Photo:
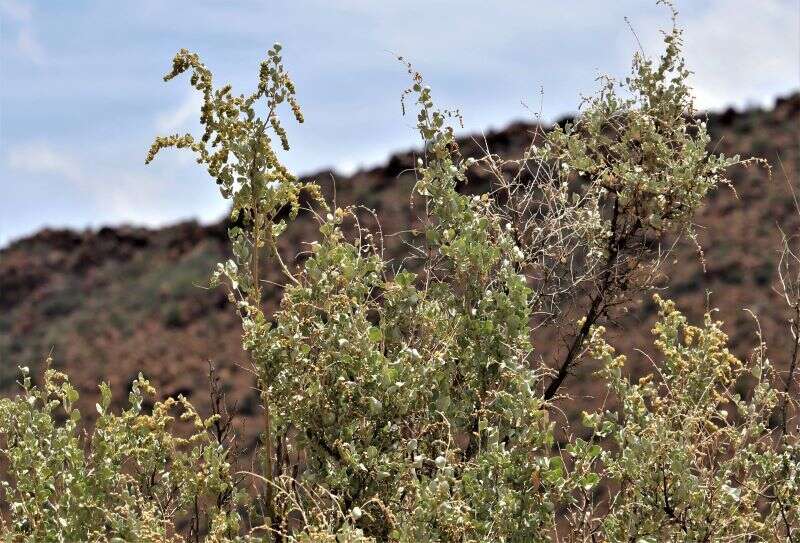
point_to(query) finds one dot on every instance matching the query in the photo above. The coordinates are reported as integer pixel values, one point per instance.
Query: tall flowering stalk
(236, 149)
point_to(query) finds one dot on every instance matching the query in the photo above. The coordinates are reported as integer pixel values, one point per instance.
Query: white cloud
(741, 51)
(17, 11)
(137, 198)
(347, 167)
(116, 195)
(481, 56)
(41, 158)
(171, 121)
(29, 46)
(731, 69)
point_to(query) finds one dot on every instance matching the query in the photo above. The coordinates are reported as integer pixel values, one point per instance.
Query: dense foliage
(402, 399)
(125, 481)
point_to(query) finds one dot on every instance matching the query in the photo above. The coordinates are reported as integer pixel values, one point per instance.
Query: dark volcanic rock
(120, 300)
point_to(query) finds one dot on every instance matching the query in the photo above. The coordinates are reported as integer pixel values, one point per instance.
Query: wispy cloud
(30, 47)
(178, 118)
(27, 44)
(741, 51)
(114, 195)
(16, 11)
(41, 158)
(74, 134)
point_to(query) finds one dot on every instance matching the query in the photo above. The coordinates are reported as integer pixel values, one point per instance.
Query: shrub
(686, 467)
(130, 479)
(404, 402)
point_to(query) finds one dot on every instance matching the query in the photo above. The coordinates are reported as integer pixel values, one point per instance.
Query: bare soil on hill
(111, 303)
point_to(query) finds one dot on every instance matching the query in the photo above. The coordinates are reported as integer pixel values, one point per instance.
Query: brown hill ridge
(116, 301)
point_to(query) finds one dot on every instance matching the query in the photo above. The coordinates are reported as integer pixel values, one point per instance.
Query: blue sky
(81, 95)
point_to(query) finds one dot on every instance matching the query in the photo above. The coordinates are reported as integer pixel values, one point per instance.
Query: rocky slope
(113, 302)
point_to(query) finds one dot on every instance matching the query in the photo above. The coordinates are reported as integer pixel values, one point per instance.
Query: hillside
(116, 301)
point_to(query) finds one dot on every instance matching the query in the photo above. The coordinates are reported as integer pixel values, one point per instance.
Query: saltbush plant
(404, 402)
(129, 479)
